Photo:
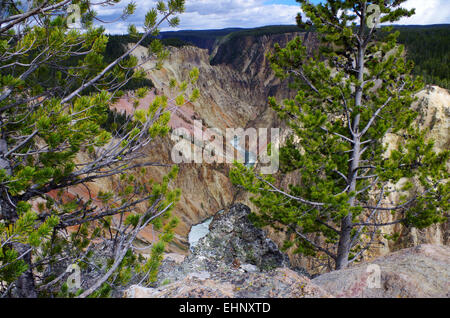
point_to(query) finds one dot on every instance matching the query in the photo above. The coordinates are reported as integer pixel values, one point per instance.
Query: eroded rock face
(233, 244)
(230, 97)
(421, 271)
(433, 107)
(233, 238)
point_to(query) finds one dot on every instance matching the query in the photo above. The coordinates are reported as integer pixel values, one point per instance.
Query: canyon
(235, 82)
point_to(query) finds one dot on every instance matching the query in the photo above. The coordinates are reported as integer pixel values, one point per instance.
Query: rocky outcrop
(232, 245)
(234, 259)
(233, 238)
(417, 272)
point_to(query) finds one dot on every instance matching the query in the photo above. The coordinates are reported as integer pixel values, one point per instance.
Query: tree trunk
(344, 244)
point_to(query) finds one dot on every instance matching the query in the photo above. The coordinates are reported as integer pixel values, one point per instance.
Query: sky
(218, 14)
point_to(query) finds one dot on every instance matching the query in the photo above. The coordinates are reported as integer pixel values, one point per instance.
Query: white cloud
(427, 12)
(209, 14)
(234, 13)
(217, 14)
(205, 7)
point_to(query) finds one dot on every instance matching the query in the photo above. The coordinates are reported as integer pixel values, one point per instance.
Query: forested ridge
(427, 46)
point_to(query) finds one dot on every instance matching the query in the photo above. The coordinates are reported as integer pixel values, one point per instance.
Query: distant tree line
(267, 30)
(117, 43)
(429, 49)
(427, 46)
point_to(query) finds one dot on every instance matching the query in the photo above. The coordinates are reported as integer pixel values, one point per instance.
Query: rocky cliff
(234, 94)
(433, 106)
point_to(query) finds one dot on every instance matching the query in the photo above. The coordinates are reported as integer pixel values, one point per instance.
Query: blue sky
(217, 14)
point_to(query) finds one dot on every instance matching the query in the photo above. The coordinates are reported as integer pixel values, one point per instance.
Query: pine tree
(55, 96)
(350, 95)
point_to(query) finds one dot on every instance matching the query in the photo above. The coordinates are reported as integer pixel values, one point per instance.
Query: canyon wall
(233, 94)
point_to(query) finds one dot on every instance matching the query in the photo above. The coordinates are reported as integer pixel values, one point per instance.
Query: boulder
(232, 244)
(417, 272)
